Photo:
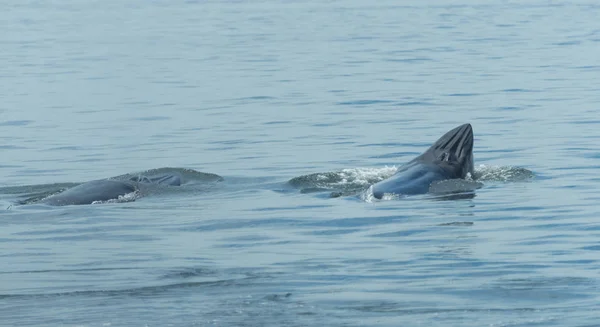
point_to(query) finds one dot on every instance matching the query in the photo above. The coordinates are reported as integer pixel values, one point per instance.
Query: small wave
(63, 271)
(186, 273)
(363, 102)
(458, 223)
(143, 291)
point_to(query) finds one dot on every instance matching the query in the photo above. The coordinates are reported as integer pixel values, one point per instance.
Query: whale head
(453, 152)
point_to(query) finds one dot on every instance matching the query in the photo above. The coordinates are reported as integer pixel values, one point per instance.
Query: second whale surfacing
(107, 189)
(449, 158)
(123, 188)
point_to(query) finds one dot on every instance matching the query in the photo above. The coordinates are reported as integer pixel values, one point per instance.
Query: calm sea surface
(331, 95)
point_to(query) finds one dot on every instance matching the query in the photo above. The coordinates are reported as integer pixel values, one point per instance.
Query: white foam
(502, 173)
(365, 176)
(129, 197)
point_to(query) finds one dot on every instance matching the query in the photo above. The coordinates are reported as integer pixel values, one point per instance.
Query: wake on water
(357, 181)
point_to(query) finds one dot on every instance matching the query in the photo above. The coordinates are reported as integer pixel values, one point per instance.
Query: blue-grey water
(333, 94)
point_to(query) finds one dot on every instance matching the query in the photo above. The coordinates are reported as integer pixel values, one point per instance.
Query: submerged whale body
(450, 157)
(108, 189)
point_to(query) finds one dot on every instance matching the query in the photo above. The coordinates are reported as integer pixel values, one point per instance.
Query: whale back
(90, 192)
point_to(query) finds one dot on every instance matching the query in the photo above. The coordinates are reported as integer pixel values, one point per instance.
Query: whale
(449, 158)
(108, 189)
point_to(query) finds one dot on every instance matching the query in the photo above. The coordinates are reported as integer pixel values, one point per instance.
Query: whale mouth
(458, 141)
(455, 148)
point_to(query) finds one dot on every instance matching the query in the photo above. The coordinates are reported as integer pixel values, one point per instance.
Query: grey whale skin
(107, 189)
(450, 157)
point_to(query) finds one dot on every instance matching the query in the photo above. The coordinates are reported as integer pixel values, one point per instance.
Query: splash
(367, 196)
(485, 173)
(354, 176)
(357, 181)
(129, 197)
(341, 183)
